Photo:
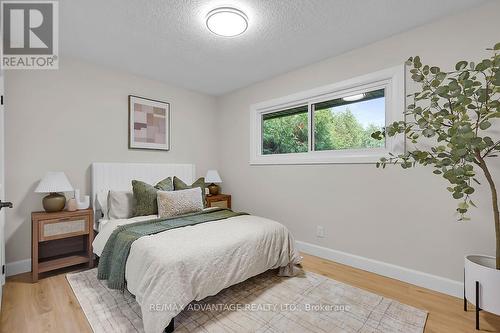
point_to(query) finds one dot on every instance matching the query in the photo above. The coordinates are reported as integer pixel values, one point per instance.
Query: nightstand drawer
(220, 204)
(62, 228)
(219, 200)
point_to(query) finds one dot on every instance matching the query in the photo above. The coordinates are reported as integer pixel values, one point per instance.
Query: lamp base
(54, 202)
(213, 189)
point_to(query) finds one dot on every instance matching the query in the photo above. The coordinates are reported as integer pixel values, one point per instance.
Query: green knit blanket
(115, 253)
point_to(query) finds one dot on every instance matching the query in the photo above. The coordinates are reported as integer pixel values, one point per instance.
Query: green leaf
(416, 62)
(417, 77)
(496, 47)
(377, 135)
(428, 132)
(481, 67)
(469, 190)
(461, 65)
(496, 78)
(442, 91)
(435, 83)
(484, 125)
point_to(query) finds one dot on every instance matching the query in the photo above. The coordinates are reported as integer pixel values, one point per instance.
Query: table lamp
(213, 177)
(53, 183)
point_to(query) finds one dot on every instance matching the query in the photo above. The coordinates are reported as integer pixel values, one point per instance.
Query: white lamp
(213, 177)
(52, 183)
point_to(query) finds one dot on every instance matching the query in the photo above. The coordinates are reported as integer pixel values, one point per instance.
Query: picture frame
(149, 124)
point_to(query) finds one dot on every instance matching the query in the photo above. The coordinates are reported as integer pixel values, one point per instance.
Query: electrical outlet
(320, 231)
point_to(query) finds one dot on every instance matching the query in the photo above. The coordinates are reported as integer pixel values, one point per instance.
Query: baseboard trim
(421, 279)
(18, 267)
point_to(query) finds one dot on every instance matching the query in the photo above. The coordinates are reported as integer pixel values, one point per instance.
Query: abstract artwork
(149, 123)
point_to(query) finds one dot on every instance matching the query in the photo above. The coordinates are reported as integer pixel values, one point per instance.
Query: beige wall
(68, 118)
(403, 218)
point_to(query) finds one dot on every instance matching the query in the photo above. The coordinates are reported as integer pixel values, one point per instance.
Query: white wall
(405, 218)
(68, 118)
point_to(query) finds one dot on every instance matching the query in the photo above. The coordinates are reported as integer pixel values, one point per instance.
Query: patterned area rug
(265, 303)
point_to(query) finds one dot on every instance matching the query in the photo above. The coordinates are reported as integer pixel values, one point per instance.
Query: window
(347, 123)
(285, 132)
(331, 124)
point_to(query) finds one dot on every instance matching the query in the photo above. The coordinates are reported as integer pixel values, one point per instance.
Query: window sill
(323, 157)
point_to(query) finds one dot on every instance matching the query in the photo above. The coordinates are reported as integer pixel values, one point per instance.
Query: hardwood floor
(50, 305)
(445, 312)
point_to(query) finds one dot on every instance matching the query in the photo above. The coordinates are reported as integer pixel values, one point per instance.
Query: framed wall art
(149, 124)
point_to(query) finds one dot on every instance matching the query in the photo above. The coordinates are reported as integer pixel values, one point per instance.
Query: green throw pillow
(145, 196)
(180, 185)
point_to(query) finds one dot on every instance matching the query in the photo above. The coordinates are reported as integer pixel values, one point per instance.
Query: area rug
(265, 303)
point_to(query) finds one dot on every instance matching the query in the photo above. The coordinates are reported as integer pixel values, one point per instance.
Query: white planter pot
(482, 269)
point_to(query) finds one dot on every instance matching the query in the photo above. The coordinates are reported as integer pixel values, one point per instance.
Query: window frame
(392, 80)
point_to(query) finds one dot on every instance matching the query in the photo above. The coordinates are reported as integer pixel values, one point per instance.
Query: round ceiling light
(227, 21)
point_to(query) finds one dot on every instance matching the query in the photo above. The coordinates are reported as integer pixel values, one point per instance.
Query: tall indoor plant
(451, 114)
(448, 127)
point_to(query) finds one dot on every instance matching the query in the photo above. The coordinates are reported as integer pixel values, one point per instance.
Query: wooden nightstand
(219, 200)
(60, 240)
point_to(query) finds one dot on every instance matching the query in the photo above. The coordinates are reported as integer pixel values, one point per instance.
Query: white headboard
(119, 176)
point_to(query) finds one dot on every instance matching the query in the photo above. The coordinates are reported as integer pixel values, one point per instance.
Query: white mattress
(106, 228)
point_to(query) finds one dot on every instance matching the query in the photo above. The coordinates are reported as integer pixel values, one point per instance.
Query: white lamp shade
(213, 177)
(54, 182)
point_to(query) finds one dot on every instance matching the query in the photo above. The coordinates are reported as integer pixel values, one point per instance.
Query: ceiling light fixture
(227, 21)
(353, 97)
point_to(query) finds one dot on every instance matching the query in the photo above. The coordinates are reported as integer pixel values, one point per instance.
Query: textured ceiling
(167, 39)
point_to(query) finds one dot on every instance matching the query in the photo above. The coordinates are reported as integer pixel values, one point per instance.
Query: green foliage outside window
(332, 131)
(341, 130)
(287, 134)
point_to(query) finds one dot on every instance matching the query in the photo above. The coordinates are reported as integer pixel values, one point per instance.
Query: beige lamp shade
(213, 177)
(54, 182)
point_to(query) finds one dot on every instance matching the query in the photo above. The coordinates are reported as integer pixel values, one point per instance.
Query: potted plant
(448, 124)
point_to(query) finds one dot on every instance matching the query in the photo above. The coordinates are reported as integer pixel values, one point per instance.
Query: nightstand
(219, 200)
(60, 240)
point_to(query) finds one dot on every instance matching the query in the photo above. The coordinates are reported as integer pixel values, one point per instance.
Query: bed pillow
(174, 203)
(120, 204)
(180, 185)
(102, 200)
(145, 196)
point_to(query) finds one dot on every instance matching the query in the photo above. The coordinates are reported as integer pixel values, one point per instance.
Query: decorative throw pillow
(120, 204)
(173, 203)
(180, 185)
(145, 196)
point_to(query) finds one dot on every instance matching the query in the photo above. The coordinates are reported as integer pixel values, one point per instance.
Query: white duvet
(168, 270)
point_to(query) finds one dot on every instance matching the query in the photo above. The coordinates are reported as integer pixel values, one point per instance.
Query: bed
(167, 270)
